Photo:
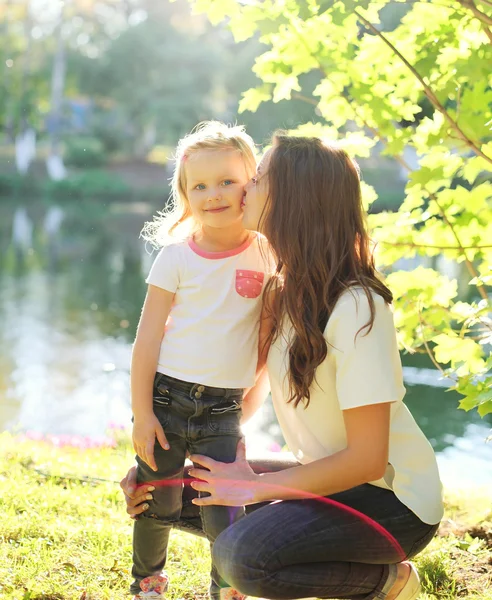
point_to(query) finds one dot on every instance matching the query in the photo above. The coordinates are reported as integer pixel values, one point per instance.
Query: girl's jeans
(200, 420)
(344, 546)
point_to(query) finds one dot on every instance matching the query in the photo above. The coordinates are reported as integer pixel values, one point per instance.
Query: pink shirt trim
(224, 254)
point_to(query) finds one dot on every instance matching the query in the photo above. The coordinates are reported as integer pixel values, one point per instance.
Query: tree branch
(412, 245)
(427, 347)
(469, 265)
(488, 33)
(481, 16)
(427, 90)
(486, 2)
(298, 96)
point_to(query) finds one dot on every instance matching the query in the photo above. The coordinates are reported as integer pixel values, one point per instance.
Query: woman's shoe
(411, 589)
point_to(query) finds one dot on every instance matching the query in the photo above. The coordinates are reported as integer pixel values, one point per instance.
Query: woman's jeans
(200, 420)
(344, 546)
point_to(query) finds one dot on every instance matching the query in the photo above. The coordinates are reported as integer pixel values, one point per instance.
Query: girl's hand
(145, 430)
(229, 484)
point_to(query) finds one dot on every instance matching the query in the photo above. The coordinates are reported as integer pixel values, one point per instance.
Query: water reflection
(71, 290)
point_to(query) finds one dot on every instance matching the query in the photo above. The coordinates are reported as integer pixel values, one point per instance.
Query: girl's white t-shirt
(211, 336)
(358, 373)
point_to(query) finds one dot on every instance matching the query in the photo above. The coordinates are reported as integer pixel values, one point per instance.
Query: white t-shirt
(357, 374)
(211, 335)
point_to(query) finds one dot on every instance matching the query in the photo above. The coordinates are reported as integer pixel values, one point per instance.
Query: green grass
(62, 538)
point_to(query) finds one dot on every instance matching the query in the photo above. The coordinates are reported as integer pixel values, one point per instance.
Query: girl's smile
(217, 210)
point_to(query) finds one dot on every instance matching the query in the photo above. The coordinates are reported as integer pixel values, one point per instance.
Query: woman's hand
(135, 496)
(229, 484)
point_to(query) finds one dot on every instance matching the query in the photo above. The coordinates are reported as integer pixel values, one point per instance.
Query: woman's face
(256, 195)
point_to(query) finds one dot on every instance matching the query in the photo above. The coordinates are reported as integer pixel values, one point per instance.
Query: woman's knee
(239, 560)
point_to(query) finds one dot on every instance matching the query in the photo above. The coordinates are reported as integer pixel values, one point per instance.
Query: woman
(366, 495)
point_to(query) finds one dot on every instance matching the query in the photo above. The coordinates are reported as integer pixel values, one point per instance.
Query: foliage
(94, 184)
(137, 71)
(418, 84)
(84, 152)
(143, 72)
(13, 183)
(88, 185)
(109, 129)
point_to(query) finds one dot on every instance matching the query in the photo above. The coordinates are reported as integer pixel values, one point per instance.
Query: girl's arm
(364, 459)
(145, 356)
(255, 396)
(265, 333)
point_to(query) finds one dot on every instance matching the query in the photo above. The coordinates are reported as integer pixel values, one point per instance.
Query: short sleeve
(164, 272)
(368, 367)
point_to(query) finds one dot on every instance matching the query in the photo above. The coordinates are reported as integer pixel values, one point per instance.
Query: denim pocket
(224, 417)
(162, 404)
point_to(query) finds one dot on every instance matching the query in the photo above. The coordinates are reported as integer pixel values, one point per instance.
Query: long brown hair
(315, 223)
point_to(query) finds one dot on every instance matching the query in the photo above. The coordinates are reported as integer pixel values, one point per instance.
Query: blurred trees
(136, 72)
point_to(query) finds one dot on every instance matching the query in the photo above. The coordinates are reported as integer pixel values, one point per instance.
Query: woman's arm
(145, 356)
(364, 459)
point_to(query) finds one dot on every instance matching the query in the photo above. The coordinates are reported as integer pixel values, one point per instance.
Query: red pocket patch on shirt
(249, 283)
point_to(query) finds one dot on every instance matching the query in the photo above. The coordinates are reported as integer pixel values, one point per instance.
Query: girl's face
(215, 183)
(256, 196)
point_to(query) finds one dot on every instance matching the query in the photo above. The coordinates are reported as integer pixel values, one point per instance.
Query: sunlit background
(93, 97)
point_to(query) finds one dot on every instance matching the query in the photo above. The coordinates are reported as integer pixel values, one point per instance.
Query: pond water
(71, 290)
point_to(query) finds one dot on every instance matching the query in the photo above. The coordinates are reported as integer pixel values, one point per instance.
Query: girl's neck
(213, 239)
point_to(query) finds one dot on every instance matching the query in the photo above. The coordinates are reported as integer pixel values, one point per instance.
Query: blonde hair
(176, 220)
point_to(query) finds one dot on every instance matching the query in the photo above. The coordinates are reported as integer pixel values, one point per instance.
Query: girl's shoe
(411, 589)
(231, 594)
(152, 587)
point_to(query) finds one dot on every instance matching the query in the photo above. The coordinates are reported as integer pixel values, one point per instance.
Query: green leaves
(217, 10)
(419, 92)
(464, 354)
(477, 395)
(423, 288)
(253, 97)
(473, 167)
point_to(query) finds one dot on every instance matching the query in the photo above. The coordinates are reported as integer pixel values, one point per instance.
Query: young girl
(197, 341)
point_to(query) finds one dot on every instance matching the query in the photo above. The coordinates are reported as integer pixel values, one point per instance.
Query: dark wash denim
(200, 420)
(327, 548)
